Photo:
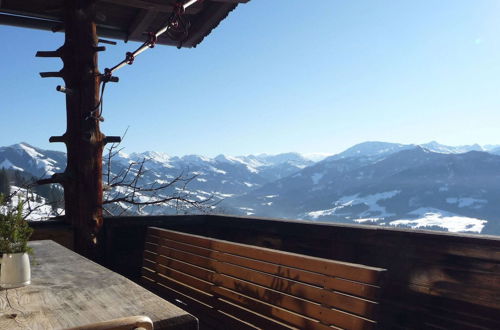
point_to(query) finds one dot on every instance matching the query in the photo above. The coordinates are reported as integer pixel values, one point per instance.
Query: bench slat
(317, 295)
(200, 277)
(262, 286)
(283, 315)
(286, 301)
(194, 299)
(161, 281)
(332, 299)
(180, 271)
(210, 315)
(314, 294)
(345, 270)
(353, 288)
(297, 305)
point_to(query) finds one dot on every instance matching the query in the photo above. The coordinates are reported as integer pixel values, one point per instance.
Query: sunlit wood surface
(249, 286)
(69, 290)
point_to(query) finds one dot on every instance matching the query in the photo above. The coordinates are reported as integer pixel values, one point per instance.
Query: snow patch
(34, 204)
(271, 196)
(216, 170)
(316, 156)
(22, 147)
(7, 164)
(367, 220)
(223, 195)
(371, 201)
(430, 217)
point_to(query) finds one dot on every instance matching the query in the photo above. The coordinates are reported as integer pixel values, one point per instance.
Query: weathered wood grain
(333, 268)
(69, 290)
(188, 264)
(435, 279)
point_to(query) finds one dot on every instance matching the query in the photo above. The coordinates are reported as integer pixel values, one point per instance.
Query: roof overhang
(126, 20)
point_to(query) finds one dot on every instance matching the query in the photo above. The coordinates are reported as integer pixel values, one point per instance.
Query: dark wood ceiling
(121, 19)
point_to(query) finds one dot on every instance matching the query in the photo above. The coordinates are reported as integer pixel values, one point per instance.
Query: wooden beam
(142, 4)
(141, 23)
(231, 1)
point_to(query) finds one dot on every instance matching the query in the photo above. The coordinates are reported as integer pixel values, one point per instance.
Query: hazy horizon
(315, 156)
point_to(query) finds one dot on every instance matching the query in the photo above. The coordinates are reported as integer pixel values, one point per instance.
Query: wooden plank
(294, 304)
(186, 257)
(280, 314)
(332, 299)
(232, 1)
(185, 268)
(282, 300)
(68, 290)
(336, 284)
(193, 298)
(141, 23)
(209, 253)
(143, 4)
(208, 314)
(250, 316)
(285, 301)
(201, 297)
(345, 270)
(197, 261)
(354, 288)
(169, 273)
(344, 302)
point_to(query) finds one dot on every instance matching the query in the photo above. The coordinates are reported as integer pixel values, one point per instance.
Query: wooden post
(84, 141)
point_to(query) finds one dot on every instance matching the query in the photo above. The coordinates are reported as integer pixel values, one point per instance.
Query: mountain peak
(371, 149)
(444, 149)
(155, 156)
(27, 148)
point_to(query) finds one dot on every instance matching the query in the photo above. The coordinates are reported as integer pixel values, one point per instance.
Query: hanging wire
(96, 113)
(177, 28)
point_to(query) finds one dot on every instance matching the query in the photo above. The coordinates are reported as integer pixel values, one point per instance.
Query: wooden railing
(434, 279)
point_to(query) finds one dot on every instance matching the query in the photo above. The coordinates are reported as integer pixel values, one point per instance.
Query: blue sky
(284, 75)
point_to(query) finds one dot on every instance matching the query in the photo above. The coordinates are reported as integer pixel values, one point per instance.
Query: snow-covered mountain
(430, 186)
(384, 184)
(371, 150)
(38, 162)
(220, 177)
(443, 149)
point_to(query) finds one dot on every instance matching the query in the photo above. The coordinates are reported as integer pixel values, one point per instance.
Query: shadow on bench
(232, 285)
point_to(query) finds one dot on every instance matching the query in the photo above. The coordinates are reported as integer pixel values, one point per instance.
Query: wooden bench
(238, 286)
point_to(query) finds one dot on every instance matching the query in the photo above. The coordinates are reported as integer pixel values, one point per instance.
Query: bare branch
(127, 190)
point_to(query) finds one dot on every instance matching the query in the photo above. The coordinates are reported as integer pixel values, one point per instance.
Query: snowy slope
(35, 207)
(413, 187)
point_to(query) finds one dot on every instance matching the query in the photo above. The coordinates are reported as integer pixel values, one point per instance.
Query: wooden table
(69, 290)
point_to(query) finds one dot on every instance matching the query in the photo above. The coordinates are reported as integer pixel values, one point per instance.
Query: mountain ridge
(418, 186)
